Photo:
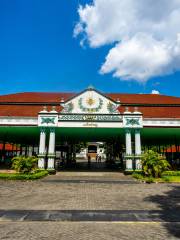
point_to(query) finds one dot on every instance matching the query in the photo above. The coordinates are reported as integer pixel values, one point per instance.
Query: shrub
(154, 164)
(24, 164)
(23, 176)
(171, 173)
(138, 176)
(166, 179)
(149, 180)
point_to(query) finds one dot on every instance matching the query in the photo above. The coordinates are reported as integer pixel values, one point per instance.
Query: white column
(138, 148)
(42, 149)
(51, 150)
(129, 165)
(30, 151)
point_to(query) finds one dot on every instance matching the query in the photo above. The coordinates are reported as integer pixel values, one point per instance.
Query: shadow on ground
(92, 166)
(169, 204)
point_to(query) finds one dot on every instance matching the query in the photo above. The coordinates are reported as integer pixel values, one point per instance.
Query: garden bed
(167, 176)
(24, 176)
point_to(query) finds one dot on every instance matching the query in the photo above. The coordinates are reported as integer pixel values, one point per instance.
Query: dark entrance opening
(89, 156)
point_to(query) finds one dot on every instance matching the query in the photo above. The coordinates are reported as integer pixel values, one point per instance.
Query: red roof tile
(41, 99)
(23, 110)
(156, 112)
(46, 97)
(37, 97)
(144, 98)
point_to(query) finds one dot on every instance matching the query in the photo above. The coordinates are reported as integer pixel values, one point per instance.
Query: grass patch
(171, 176)
(175, 179)
(164, 178)
(141, 177)
(24, 176)
(171, 173)
(138, 176)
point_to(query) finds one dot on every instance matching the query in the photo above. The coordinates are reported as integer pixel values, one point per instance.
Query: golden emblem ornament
(90, 101)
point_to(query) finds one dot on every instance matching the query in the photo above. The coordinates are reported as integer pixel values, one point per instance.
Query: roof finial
(53, 108)
(90, 87)
(127, 110)
(45, 108)
(136, 109)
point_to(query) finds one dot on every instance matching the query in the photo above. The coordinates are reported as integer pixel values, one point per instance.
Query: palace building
(47, 123)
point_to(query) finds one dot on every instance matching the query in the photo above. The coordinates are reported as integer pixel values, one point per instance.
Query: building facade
(47, 120)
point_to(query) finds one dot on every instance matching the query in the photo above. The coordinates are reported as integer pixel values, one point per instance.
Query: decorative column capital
(127, 130)
(42, 129)
(52, 129)
(137, 130)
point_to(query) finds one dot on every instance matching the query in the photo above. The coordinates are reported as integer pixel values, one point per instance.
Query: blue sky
(39, 53)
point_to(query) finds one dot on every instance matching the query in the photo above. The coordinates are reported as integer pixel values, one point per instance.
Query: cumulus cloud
(145, 35)
(155, 92)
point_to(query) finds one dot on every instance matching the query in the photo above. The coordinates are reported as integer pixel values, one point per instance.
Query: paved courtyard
(89, 205)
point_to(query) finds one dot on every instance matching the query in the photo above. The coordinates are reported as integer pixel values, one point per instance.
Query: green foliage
(171, 173)
(154, 164)
(175, 179)
(149, 180)
(166, 178)
(141, 177)
(23, 176)
(24, 164)
(138, 176)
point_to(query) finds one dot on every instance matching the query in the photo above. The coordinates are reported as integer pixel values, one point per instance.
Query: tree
(154, 164)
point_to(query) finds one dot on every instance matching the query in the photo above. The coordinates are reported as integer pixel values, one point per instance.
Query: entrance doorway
(89, 156)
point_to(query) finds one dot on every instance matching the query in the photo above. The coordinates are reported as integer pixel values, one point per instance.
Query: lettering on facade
(90, 118)
(90, 125)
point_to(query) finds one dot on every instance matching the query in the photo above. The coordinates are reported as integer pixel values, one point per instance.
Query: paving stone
(59, 206)
(88, 231)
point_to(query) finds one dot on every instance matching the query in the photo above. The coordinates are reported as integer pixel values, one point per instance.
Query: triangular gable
(90, 101)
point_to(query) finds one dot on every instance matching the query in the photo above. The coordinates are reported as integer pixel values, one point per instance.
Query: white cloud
(155, 92)
(145, 34)
(78, 29)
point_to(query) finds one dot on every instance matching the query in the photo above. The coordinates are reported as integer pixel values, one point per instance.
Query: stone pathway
(88, 231)
(89, 205)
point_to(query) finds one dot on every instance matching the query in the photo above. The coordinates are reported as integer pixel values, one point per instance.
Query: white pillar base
(129, 164)
(138, 164)
(41, 163)
(51, 163)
